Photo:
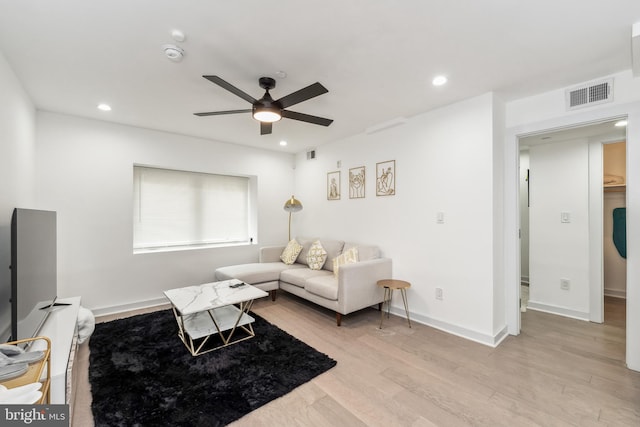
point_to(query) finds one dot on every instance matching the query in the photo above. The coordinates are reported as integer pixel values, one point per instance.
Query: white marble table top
(194, 299)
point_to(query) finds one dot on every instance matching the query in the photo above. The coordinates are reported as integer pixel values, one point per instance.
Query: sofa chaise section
(262, 275)
(353, 288)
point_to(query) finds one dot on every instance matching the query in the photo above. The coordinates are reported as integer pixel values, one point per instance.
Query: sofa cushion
(333, 248)
(254, 273)
(317, 256)
(347, 257)
(299, 276)
(291, 252)
(306, 243)
(365, 252)
(323, 286)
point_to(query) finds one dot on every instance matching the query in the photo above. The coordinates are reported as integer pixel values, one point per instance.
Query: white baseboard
(615, 293)
(560, 311)
(479, 337)
(115, 309)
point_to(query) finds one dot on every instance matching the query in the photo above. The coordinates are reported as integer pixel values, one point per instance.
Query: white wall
(524, 215)
(559, 182)
(444, 163)
(84, 171)
(499, 283)
(17, 128)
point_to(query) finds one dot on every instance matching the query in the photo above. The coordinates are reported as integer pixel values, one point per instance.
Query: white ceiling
(606, 132)
(376, 57)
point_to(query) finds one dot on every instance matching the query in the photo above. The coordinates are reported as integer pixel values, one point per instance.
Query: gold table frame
(196, 329)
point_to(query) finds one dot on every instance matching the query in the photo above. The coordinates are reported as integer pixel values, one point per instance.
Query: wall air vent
(311, 154)
(589, 94)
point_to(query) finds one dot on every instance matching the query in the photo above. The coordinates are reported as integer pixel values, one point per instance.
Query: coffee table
(218, 309)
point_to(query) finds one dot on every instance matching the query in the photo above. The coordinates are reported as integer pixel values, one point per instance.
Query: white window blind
(176, 208)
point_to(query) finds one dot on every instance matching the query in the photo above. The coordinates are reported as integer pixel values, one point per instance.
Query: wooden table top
(394, 284)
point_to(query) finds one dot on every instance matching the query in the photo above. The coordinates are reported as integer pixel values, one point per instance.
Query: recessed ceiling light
(104, 107)
(621, 123)
(439, 80)
(283, 143)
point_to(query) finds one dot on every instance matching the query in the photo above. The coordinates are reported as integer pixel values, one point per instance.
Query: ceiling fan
(266, 110)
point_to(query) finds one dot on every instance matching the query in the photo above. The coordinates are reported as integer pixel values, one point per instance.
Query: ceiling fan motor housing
(266, 83)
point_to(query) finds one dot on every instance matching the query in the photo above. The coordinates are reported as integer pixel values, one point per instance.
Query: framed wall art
(356, 182)
(386, 178)
(333, 185)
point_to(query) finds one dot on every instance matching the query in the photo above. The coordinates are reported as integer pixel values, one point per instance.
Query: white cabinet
(61, 328)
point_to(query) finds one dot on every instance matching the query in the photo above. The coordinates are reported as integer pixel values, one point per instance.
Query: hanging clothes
(620, 230)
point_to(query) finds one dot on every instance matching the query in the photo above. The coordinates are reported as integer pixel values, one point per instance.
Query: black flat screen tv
(34, 282)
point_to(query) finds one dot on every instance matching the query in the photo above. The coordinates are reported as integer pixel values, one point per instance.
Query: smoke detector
(178, 35)
(173, 52)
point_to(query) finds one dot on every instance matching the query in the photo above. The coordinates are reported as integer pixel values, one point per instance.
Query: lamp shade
(292, 205)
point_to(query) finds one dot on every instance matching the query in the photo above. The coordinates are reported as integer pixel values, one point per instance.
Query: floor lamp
(292, 205)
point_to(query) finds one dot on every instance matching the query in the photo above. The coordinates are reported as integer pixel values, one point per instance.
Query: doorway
(561, 220)
(511, 241)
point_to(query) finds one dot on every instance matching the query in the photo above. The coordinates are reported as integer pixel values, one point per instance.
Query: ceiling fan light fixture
(266, 110)
(266, 114)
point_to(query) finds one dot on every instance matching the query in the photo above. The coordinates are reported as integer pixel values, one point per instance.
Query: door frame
(511, 242)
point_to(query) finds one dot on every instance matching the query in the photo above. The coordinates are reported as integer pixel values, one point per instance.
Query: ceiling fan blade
(265, 128)
(303, 94)
(219, 113)
(306, 118)
(231, 88)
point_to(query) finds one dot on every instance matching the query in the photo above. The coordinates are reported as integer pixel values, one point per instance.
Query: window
(186, 209)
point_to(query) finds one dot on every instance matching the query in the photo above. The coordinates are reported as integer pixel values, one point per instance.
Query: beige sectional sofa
(352, 287)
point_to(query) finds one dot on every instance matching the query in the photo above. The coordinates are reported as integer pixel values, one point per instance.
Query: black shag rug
(141, 374)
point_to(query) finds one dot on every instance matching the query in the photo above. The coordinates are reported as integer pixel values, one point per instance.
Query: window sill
(163, 249)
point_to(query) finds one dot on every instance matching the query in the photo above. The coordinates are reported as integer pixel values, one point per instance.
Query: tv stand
(61, 328)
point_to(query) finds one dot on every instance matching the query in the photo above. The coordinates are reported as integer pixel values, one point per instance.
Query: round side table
(389, 286)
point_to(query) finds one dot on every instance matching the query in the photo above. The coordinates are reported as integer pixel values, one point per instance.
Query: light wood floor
(557, 372)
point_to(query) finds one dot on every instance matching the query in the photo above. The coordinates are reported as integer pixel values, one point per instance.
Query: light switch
(440, 217)
(565, 217)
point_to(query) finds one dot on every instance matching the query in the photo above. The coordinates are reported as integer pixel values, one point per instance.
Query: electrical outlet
(439, 294)
(565, 284)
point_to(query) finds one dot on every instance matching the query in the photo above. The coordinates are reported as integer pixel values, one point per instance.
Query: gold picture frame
(357, 181)
(333, 185)
(386, 178)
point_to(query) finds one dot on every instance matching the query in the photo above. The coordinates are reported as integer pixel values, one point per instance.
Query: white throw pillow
(347, 257)
(86, 324)
(291, 252)
(317, 256)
